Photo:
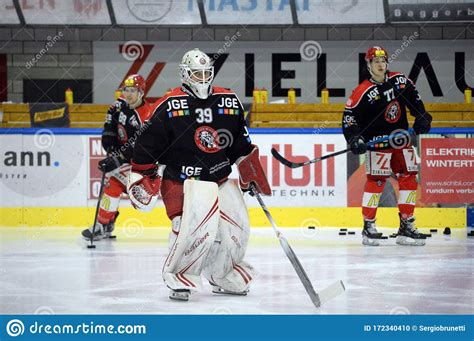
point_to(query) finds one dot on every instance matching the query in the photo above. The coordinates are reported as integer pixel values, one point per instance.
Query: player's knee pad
(196, 233)
(224, 264)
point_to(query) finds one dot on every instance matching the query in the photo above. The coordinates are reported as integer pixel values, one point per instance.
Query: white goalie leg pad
(197, 231)
(224, 265)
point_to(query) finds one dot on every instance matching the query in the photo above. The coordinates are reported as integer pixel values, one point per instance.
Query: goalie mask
(197, 72)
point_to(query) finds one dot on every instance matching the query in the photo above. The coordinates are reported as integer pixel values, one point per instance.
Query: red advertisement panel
(96, 153)
(447, 170)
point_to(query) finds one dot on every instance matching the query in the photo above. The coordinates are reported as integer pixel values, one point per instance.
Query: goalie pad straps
(197, 231)
(251, 171)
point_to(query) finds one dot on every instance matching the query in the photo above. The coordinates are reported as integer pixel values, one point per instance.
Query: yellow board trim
(284, 216)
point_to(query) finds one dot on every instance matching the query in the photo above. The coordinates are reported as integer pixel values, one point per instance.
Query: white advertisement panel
(70, 12)
(320, 184)
(251, 12)
(43, 170)
(8, 13)
(342, 12)
(156, 12)
(47, 170)
(439, 68)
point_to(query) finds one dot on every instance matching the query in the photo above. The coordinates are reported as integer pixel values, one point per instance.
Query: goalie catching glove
(144, 183)
(251, 172)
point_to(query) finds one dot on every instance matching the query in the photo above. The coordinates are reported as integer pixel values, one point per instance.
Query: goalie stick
(291, 164)
(323, 296)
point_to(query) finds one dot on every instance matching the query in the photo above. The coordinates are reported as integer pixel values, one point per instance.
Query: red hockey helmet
(135, 81)
(374, 52)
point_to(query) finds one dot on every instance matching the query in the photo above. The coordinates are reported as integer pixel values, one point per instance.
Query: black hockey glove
(358, 145)
(422, 124)
(109, 141)
(110, 163)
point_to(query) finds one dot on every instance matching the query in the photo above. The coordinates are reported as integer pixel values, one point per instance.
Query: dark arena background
(294, 65)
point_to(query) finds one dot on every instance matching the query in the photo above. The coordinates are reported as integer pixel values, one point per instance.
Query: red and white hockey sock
(110, 201)
(372, 192)
(407, 196)
(108, 209)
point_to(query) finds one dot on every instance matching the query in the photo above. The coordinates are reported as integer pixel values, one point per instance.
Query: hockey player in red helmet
(377, 108)
(124, 118)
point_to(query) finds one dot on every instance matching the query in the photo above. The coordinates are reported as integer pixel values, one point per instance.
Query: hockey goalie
(196, 133)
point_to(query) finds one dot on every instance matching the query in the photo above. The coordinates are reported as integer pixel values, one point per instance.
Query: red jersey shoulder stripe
(144, 111)
(176, 92)
(358, 93)
(218, 90)
(393, 74)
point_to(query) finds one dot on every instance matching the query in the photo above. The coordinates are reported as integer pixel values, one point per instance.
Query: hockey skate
(218, 290)
(180, 294)
(370, 236)
(408, 233)
(101, 231)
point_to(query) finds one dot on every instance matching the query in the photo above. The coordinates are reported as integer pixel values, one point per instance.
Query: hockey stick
(291, 164)
(101, 190)
(318, 299)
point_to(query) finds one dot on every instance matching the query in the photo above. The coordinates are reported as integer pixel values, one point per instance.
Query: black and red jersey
(121, 125)
(376, 110)
(194, 138)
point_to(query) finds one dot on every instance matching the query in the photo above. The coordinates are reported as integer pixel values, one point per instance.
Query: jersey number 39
(205, 115)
